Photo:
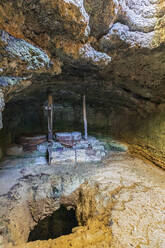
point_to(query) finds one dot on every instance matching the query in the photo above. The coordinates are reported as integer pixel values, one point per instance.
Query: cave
(82, 103)
(59, 223)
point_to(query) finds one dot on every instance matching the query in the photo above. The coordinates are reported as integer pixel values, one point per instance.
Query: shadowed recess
(59, 223)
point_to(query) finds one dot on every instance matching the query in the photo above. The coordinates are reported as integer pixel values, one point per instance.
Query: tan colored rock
(103, 14)
(95, 234)
(114, 46)
(121, 205)
(1, 241)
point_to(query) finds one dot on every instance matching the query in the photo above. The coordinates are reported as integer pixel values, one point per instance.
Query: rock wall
(113, 51)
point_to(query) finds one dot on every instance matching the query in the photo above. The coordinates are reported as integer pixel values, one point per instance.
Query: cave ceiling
(113, 51)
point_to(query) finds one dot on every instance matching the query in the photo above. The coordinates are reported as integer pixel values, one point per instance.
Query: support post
(50, 127)
(85, 118)
(50, 118)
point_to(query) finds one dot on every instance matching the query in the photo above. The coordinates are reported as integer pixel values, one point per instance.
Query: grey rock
(139, 16)
(82, 151)
(121, 33)
(88, 53)
(17, 48)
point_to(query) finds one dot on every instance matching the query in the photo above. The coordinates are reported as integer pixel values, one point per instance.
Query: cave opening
(58, 224)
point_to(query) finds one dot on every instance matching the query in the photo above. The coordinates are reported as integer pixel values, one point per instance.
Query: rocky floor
(23, 164)
(119, 202)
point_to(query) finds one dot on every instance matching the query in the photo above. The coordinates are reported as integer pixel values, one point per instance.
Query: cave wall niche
(28, 115)
(135, 122)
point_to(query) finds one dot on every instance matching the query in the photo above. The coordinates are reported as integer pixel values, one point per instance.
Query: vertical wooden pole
(50, 100)
(85, 119)
(50, 117)
(50, 127)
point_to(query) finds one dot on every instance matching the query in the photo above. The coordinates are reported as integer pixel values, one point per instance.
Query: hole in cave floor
(59, 223)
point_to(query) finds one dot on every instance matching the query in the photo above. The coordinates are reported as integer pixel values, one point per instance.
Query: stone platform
(91, 150)
(13, 167)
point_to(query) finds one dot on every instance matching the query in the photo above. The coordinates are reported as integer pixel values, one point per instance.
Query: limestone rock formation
(118, 203)
(111, 50)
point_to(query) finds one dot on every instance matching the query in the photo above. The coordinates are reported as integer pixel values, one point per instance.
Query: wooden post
(50, 127)
(50, 118)
(85, 119)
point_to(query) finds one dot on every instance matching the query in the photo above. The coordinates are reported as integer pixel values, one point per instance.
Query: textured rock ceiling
(113, 50)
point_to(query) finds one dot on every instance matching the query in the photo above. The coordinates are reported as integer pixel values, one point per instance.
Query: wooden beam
(85, 118)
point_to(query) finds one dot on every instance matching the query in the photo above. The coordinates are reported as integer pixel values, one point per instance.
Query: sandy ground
(130, 189)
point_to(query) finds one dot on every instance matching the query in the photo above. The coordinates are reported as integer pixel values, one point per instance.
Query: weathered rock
(71, 14)
(14, 150)
(18, 56)
(102, 15)
(1, 242)
(112, 50)
(76, 156)
(71, 148)
(55, 146)
(88, 53)
(120, 203)
(120, 34)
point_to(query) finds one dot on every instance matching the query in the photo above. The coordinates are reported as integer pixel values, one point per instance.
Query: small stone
(98, 153)
(98, 147)
(103, 154)
(81, 155)
(92, 141)
(82, 144)
(117, 146)
(14, 150)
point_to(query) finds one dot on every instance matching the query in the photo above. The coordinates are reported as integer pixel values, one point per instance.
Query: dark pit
(59, 223)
